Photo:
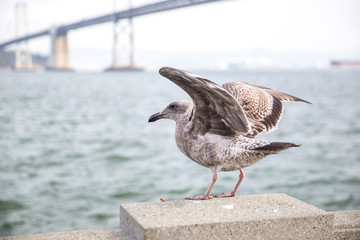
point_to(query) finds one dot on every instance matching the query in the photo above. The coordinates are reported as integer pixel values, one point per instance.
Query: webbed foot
(199, 198)
(224, 195)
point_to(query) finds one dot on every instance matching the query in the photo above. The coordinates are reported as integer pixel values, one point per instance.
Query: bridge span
(59, 57)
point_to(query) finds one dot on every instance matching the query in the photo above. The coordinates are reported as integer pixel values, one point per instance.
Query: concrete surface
(265, 216)
(346, 225)
(104, 234)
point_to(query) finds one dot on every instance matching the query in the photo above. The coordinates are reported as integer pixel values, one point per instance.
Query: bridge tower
(23, 58)
(123, 43)
(59, 53)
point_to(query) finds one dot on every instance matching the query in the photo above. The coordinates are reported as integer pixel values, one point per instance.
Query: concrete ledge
(104, 234)
(266, 216)
(346, 225)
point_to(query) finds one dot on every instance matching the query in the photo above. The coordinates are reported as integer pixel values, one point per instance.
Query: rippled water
(73, 146)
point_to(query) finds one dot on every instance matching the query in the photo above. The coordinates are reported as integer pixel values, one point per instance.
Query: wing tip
(170, 72)
(302, 100)
(164, 70)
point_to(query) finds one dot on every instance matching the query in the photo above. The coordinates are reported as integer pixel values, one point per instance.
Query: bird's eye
(172, 106)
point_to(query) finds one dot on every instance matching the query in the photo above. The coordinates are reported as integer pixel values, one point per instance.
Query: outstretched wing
(215, 110)
(262, 106)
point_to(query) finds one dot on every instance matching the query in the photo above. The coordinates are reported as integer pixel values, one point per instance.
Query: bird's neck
(183, 120)
(182, 137)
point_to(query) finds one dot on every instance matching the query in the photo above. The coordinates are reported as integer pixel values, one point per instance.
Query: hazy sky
(279, 26)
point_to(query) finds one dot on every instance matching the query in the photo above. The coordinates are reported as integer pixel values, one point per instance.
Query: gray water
(74, 146)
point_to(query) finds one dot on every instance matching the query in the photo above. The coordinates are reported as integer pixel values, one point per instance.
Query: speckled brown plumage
(217, 132)
(262, 106)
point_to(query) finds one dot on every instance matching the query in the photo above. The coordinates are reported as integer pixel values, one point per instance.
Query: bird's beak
(156, 117)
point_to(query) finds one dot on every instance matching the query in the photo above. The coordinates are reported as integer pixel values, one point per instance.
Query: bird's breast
(200, 149)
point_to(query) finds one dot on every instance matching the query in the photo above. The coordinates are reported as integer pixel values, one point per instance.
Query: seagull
(217, 131)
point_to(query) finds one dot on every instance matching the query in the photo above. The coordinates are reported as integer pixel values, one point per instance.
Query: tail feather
(277, 146)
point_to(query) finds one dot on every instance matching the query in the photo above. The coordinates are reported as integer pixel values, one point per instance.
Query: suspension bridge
(59, 52)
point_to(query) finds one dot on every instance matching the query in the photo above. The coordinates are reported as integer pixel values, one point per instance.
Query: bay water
(74, 146)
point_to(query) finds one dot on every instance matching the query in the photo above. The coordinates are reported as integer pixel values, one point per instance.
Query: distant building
(7, 61)
(345, 64)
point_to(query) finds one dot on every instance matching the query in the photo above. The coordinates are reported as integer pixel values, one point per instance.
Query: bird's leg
(233, 192)
(207, 194)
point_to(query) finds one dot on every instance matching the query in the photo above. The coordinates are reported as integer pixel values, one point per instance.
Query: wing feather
(231, 109)
(263, 106)
(215, 109)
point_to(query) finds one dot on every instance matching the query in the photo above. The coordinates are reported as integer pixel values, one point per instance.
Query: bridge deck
(129, 13)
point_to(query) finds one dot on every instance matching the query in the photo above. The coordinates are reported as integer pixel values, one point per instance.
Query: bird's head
(177, 111)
